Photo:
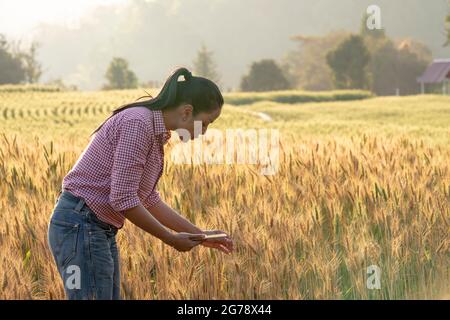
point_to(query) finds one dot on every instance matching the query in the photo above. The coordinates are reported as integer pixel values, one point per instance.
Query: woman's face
(199, 124)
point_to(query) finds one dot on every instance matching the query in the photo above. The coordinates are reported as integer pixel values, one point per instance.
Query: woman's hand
(183, 241)
(224, 244)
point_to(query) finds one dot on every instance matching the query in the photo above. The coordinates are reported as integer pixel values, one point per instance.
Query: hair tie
(187, 75)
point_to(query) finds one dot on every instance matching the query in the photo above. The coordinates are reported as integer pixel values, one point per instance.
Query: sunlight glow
(18, 17)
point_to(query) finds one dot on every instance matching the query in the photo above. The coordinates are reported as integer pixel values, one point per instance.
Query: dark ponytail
(201, 93)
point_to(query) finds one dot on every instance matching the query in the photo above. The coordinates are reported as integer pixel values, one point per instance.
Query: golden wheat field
(359, 183)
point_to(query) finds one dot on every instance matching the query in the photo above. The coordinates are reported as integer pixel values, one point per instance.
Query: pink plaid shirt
(121, 166)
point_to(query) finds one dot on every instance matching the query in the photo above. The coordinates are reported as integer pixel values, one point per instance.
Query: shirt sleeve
(153, 199)
(132, 147)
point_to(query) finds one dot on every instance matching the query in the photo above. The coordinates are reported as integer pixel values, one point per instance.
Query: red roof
(436, 72)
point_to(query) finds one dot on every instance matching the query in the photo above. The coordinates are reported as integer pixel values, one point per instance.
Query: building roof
(436, 72)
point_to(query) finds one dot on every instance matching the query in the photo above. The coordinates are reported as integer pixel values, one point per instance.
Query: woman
(115, 178)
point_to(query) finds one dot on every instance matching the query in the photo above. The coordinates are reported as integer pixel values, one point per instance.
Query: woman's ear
(186, 112)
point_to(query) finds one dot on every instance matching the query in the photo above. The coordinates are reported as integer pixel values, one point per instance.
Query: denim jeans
(84, 249)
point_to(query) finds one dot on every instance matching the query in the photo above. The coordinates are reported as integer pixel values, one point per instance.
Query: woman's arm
(143, 219)
(172, 219)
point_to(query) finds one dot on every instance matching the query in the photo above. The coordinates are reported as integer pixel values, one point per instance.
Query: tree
(264, 75)
(396, 66)
(33, 69)
(306, 67)
(30, 65)
(10, 65)
(204, 65)
(119, 76)
(349, 64)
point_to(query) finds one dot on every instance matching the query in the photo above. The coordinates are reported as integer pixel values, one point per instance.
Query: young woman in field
(115, 179)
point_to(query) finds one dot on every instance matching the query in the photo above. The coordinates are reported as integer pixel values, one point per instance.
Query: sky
(19, 17)
(78, 42)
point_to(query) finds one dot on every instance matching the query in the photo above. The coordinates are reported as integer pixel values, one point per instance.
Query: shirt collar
(160, 128)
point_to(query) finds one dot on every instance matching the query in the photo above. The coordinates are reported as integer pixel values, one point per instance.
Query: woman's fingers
(222, 248)
(225, 244)
(217, 245)
(225, 249)
(228, 243)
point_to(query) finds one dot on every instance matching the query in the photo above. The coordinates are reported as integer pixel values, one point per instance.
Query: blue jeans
(84, 249)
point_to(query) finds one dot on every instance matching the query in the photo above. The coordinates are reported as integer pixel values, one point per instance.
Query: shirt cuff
(153, 199)
(124, 203)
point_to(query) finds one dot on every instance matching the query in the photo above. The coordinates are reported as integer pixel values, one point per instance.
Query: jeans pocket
(63, 240)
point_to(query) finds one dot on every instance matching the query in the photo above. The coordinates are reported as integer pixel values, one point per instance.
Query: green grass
(295, 96)
(424, 117)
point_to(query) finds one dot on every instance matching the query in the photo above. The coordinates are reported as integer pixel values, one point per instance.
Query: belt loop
(80, 205)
